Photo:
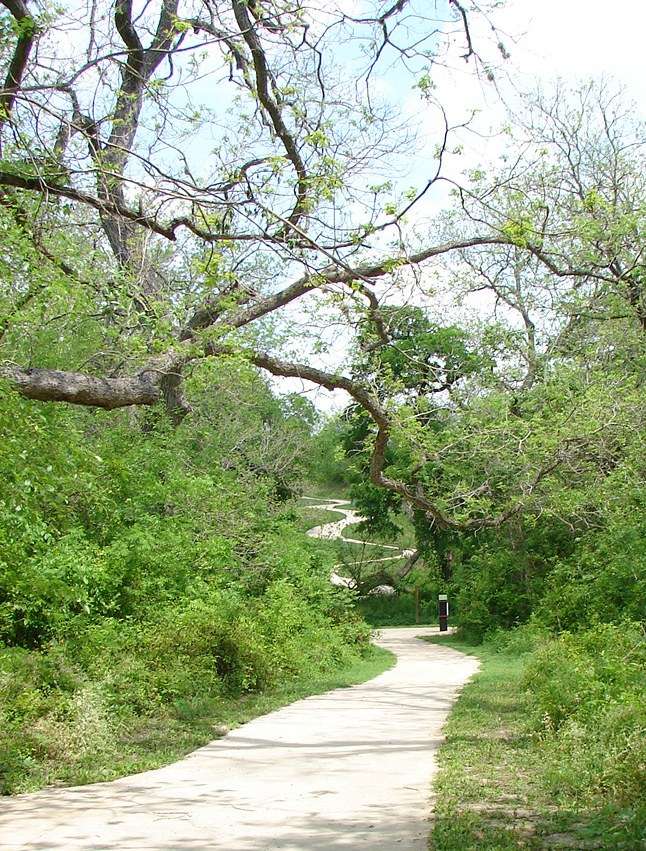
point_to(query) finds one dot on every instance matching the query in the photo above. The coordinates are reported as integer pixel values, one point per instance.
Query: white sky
(547, 39)
(580, 38)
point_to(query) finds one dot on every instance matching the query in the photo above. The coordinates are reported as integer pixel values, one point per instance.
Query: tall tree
(220, 151)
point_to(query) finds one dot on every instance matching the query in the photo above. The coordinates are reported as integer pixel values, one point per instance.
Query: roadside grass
(495, 789)
(325, 491)
(405, 539)
(308, 501)
(307, 517)
(152, 742)
(362, 552)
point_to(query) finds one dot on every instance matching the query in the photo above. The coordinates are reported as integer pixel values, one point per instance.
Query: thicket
(145, 570)
(586, 704)
(545, 747)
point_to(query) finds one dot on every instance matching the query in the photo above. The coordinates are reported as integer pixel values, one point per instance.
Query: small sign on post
(443, 612)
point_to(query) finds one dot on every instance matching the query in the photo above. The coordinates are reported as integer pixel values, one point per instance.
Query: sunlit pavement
(351, 768)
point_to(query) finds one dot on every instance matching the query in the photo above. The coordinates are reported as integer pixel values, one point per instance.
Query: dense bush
(75, 695)
(488, 590)
(560, 580)
(519, 641)
(144, 569)
(396, 609)
(588, 696)
(605, 579)
(587, 705)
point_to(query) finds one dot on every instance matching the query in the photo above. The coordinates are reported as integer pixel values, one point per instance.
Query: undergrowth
(545, 747)
(137, 698)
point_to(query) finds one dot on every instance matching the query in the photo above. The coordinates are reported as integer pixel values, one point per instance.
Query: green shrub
(491, 589)
(604, 580)
(588, 702)
(70, 698)
(516, 642)
(395, 609)
(576, 674)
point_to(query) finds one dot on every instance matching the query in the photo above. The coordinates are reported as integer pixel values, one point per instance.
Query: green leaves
(520, 231)
(317, 138)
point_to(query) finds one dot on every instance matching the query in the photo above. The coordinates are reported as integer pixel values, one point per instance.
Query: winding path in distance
(334, 531)
(344, 770)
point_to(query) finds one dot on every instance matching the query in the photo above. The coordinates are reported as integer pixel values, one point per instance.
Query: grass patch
(152, 742)
(495, 787)
(308, 517)
(326, 490)
(404, 539)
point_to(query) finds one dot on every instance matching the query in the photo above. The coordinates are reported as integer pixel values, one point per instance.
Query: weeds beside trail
(544, 748)
(140, 743)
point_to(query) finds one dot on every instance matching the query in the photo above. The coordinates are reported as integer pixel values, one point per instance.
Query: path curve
(330, 531)
(346, 769)
(334, 531)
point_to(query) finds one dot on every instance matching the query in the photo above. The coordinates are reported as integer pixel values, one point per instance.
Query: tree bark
(52, 385)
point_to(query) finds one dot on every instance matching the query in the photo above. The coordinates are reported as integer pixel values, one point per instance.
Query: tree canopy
(177, 180)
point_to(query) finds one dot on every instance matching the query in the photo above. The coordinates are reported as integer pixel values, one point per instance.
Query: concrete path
(330, 531)
(348, 769)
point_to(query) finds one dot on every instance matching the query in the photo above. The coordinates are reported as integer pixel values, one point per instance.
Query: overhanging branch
(159, 378)
(52, 385)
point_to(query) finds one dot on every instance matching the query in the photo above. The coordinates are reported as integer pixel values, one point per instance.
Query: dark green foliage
(379, 507)
(396, 610)
(425, 357)
(510, 779)
(588, 700)
(605, 578)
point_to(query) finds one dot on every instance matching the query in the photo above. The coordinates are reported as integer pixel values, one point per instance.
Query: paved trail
(346, 769)
(330, 531)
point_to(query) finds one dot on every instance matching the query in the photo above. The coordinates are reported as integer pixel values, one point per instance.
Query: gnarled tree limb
(18, 65)
(52, 385)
